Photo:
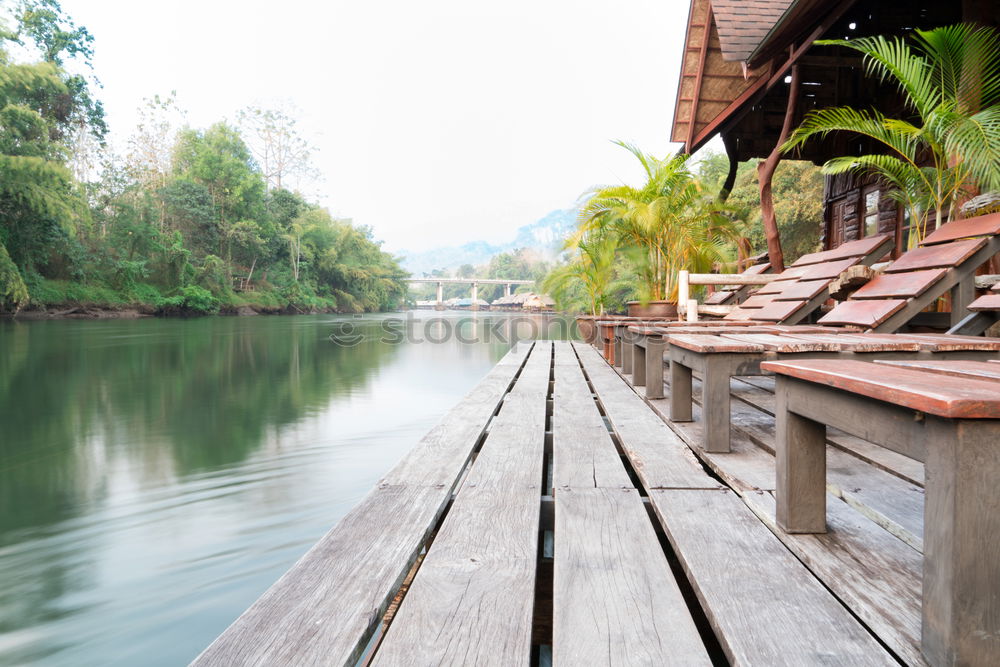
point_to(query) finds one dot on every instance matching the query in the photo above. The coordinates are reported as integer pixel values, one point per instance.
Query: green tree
(949, 78)
(664, 225)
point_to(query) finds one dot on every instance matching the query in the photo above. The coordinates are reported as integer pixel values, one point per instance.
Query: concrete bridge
(474, 282)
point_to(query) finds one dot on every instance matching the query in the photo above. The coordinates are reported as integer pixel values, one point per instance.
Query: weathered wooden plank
(800, 290)
(615, 599)
(789, 344)
(481, 566)
(983, 225)
(906, 285)
(953, 342)
(659, 457)
(324, 609)
(936, 256)
(875, 574)
(863, 342)
(986, 302)
(710, 344)
(861, 247)
(441, 455)
(828, 270)
(583, 453)
(941, 395)
(763, 615)
(977, 370)
(779, 311)
(863, 312)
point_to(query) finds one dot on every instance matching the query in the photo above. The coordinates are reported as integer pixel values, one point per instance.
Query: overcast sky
(437, 122)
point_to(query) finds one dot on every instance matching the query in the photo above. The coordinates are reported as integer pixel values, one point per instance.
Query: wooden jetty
(556, 512)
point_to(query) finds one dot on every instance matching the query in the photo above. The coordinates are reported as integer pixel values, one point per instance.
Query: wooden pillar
(765, 172)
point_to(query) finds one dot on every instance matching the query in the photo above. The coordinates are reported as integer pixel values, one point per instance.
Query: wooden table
(946, 414)
(720, 357)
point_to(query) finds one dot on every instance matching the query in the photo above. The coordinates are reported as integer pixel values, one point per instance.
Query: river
(156, 476)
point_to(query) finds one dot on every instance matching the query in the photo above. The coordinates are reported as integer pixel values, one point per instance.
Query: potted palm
(665, 225)
(582, 282)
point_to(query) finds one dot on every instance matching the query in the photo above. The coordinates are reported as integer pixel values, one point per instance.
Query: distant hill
(544, 236)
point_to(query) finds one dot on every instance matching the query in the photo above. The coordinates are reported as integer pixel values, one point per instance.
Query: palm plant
(950, 80)
(591, 267)
(665, 225)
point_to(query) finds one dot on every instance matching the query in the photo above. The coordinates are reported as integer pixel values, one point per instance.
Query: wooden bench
(946, 415)
(644, 346)
(720, 357)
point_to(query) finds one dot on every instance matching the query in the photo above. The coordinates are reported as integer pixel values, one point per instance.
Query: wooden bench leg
(800, 453)
(638, 365)
(715, 411)
(961, 603)
(654, 369)
(680, 392)
(627, 348)
(616, 350)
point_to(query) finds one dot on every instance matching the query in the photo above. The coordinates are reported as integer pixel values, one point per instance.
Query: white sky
(437, 122)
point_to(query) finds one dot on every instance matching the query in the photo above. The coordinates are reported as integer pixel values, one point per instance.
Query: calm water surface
(156, 476)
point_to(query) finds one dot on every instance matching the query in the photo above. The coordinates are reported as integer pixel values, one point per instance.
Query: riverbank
(55, 300)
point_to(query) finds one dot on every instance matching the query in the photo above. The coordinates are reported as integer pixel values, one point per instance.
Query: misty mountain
(545, 236)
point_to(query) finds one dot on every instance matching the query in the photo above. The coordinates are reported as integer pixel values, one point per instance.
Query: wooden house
(750, 72)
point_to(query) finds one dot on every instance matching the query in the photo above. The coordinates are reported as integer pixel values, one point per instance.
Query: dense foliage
(631, 242)
(949, 78)
(184, 221)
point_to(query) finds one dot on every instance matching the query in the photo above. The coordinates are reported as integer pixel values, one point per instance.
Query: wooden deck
(556, 514)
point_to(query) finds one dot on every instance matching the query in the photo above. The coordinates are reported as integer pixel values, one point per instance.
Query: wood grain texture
(863, 313)
(323, 610)
(977, 370)
(941, 395)
(874, 573)
(865, 246)
(983, 225)
(583, 454)
(713, 344)
(905, 285)
(862, 342)
(986, 302)
(779, 311)
(828, 270)
(790, 344)
(441, 455)
(615, 599)
(762, 615)
(471, 601)
(801, 290)
(936, 256)
(659, 457)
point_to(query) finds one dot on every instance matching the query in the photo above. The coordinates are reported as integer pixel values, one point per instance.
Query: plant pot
(658, 309)
(586, 325)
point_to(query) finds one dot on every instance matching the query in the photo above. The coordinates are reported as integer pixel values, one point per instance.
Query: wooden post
(765, 172)
(683, 293)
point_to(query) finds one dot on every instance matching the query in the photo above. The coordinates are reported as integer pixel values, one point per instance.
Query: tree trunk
(765, 172)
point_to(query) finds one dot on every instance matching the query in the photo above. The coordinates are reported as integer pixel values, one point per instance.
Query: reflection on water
(157, 475)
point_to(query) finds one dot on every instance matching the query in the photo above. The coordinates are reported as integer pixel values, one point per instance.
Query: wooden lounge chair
(734, 294)
(957, 436)
(717, 358)
(944, 261)
(984, 312)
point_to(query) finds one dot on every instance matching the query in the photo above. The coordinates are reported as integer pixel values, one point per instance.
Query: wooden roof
(744, 24)
(738, 53)
(711, 80)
